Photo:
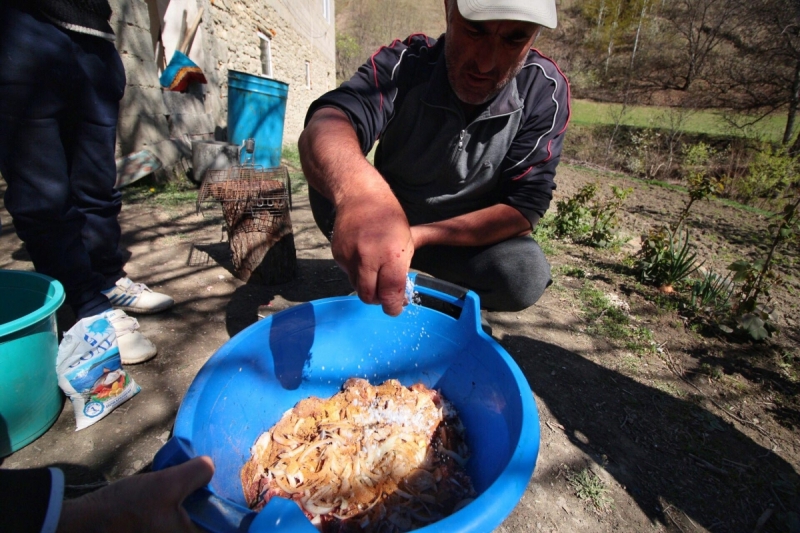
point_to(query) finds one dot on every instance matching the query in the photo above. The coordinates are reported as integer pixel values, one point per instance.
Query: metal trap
(246, 190)
(255, 204)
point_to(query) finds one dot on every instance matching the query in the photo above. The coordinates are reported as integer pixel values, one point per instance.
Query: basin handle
(456, 295)
(205, 508)
(213, 513)
(451, 289)
(217, 514)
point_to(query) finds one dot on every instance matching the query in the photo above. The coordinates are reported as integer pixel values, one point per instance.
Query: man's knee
(522, 275)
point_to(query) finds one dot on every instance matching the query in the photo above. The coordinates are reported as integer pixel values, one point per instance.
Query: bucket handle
(455, 295)
(213, 513)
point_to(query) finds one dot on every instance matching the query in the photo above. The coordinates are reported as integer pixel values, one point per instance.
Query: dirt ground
(692, 432)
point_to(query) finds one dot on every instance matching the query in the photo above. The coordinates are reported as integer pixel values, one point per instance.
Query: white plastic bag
(90, 370)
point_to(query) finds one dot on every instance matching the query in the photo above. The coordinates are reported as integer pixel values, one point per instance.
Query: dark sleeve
(368, 97)
(530, 165)
(25, 497)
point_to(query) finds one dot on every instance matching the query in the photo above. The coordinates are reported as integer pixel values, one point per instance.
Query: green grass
(168, 194)
(612, 323)
(573, 271)
(544, 233)
(668, 186)
(585, 112)
(589, 487)
(290, 157)
(180, 191)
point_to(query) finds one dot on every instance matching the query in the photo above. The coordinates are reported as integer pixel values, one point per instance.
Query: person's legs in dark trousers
(59, 101)
(508, 276)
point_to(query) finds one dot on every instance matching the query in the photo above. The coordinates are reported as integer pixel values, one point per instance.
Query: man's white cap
(542, 12)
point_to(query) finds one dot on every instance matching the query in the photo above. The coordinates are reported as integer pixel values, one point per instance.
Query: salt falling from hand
(409, 290)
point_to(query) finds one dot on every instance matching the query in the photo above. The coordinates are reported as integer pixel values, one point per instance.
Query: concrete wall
(148, 32)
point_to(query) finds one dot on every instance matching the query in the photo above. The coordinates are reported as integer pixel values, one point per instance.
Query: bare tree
(764, 74)
(673, 122)
(702, 25)
(642, 13)
(612, 33)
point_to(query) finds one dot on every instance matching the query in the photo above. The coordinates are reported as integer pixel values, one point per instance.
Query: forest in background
(735, 58)
(726, 54)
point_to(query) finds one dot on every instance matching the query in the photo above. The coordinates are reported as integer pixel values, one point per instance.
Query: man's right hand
(372, 244)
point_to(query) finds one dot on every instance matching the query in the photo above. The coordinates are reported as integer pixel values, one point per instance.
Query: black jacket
(25, 498)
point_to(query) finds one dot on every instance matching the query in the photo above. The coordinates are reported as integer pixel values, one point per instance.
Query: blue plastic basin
(312, 349)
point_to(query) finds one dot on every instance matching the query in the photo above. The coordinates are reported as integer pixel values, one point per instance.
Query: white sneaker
(134, 347)
(137, 298)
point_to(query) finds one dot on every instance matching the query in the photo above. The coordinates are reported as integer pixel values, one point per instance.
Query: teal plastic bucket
(256, 110)
(30, 398)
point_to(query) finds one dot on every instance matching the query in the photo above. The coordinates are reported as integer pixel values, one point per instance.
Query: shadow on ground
(648, 440)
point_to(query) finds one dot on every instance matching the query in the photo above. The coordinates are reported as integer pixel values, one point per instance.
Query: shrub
(586, 218)
(544, 233)
(572, 218)
(701, 187)
(770, 173)
(697, 156)
(605, 217)
(752, 311)
(643, 155)
(666, 258)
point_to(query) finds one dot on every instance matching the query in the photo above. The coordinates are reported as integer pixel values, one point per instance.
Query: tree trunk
(638, 33)
(611, 34)
(600, 14)
(794, 101)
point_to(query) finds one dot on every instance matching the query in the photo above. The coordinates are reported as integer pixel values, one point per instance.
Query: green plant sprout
(605, 217)
(572, 215)
(711, 293)
(588, 486)
(666, 258)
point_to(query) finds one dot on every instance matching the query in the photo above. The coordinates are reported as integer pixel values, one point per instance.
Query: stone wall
(143, 119)
(299, 34)
(165, 122)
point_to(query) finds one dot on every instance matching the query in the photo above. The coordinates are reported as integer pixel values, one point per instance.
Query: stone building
(292, 41)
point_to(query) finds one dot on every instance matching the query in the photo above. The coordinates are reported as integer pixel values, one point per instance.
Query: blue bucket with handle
(256, 110)
(311, 350)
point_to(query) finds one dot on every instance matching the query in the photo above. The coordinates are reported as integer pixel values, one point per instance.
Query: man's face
(483, 56)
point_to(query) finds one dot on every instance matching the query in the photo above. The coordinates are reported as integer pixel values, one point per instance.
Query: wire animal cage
(255, 204)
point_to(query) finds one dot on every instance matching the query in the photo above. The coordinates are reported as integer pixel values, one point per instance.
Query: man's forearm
(332, 161)
(479, 228)
(371, 241)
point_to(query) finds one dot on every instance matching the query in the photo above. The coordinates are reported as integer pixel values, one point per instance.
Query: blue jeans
(59, 104)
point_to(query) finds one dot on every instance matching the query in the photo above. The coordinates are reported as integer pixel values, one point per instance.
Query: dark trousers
(508, 276)
(59, 103)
